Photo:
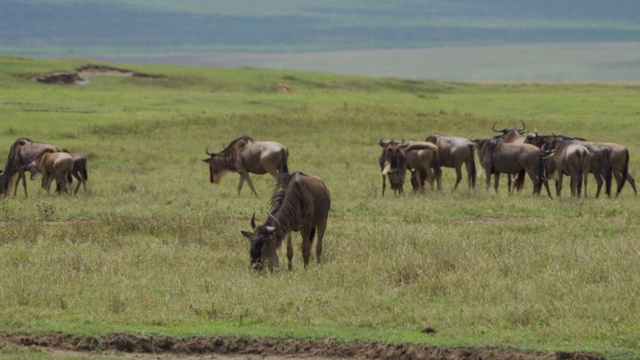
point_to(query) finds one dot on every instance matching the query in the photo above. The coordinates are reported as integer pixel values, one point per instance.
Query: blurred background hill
(501, 40)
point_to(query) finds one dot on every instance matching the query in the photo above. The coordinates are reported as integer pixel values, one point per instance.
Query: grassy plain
(153, 247)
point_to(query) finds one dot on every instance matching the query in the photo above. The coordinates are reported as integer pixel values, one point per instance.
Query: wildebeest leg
(488, 182)
(630, 180)
(384, 184)
(509, 186)
(559, 184)
(458, 176)
(21, 176)
(242, 177)
(307, 237)
(289, 251)
(599, 182)
(321, 228)
(497, 181)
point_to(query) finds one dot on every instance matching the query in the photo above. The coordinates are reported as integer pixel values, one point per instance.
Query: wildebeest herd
(48, 160)
(301, 202)
(513, 152)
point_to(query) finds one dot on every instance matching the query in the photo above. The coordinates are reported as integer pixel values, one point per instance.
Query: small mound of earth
(160, 347)
(83, 75)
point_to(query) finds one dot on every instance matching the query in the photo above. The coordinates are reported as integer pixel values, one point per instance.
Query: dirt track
(163, 347)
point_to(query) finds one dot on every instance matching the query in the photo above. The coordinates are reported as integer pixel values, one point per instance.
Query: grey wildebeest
(22, 153)
(53, 166)
(422, 161)
(301, 203)
(393, 164)
(599, 159)
(244, 155)
(453, 152)
(498, 157)
(567, 159)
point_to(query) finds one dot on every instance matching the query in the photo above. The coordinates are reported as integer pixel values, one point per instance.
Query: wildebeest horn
(496, 130)
(471, 137)
(253, 221)
(523, 126)
(273, 218)
(207, 151)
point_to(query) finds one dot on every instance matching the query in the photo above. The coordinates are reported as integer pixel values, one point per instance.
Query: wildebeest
(453, 152)
(301, 203)
(511, 135)
(393, 164)
(244, 155)
(498, 157)
(567, 159)
(619, 160)
(422, 161)
(53, 166)
(599, 159)
(79, 171)
(22, 153)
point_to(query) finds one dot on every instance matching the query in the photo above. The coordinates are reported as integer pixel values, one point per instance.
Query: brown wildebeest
(567, 159)
(498, 157)
(79, 171)
(52, 165)
(301, 203)
(393, 164)
(599, 159)
(453, 152)
(22, 153)
(422, 161)
(512, 136)
(244, 155)
(619, 160)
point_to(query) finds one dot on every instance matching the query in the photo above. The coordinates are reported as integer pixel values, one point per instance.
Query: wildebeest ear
(247, 234)
(206, 160)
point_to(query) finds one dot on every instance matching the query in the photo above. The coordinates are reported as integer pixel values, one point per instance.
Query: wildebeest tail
(285, 157)
(608, 172)
(312, 236)
(580, 176)
(625, 170)
(518, 184)
(83, 170)
(471, 168)
(69, 177)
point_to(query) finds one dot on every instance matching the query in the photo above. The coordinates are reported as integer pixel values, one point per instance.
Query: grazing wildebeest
(453, 152)
(393, 164)
(22, 153)
(567, 159)
(80, 171)
(301, 203)
(244, 155)
(498, 157)
(599, 159)
(422, 161)
(52, 165)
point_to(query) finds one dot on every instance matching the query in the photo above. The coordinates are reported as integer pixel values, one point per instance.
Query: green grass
(153, 247)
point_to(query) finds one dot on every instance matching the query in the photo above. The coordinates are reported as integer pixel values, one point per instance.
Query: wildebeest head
(265, 240)
(392, 156)
(216, 166)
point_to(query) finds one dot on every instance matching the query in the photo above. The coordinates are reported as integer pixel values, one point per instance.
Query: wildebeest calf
(52, 165)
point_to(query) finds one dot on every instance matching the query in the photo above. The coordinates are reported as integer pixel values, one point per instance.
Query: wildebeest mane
(286, 201)
(232, 144)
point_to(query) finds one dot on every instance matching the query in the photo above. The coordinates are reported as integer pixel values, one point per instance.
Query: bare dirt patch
(83, 75)
(160, 347)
